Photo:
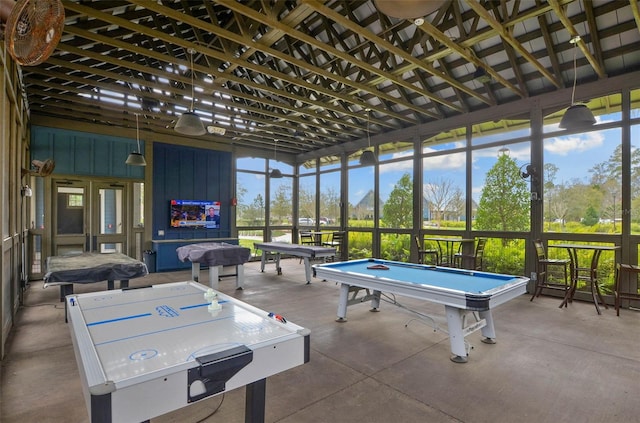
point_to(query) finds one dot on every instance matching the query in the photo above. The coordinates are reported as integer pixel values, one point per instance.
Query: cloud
(519, 152)
(455, 161)
(403, 166)
(576, 143)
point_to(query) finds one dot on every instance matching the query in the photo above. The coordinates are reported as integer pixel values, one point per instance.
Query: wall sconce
(26, 191)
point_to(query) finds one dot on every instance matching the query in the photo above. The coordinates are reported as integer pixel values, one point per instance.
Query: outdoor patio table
(584, 273)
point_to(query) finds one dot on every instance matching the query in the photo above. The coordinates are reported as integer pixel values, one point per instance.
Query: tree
(254, 213)
(559, 202)
(281, 206)
(330, 203)
(590, 217)
(306, 203)
(442, 197)
(504, 203)
(549, 171)
(398, 210)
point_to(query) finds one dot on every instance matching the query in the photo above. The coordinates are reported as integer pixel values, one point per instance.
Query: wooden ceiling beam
(562, 15)
(509, 38)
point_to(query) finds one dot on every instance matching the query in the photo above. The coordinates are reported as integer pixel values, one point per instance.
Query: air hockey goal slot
(215, 370)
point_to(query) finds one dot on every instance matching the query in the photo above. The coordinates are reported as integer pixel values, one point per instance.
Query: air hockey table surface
(147, 351)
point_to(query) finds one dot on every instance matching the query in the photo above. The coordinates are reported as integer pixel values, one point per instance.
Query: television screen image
(195, 214)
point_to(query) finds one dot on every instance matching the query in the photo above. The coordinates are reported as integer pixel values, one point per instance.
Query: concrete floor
(549, 364)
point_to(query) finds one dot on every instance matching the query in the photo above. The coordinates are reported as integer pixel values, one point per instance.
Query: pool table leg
(488, 331)
(456, 334)
(375, 301)
(342, 303)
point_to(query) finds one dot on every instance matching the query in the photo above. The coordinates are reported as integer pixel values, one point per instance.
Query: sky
(573, 154)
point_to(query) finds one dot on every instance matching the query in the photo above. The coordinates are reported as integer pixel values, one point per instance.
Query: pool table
(460, 291)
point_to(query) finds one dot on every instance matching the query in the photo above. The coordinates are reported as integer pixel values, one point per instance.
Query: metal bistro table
(318, 236)
(446, 248)
(583, 273)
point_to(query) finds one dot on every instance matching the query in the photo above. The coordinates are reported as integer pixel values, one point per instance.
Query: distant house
(363, 210)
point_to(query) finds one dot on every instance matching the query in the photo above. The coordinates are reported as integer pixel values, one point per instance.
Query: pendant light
(408, 9)
(577, 115)
(136, 158)
(275, 173)
(368, 158)
(481, 75)
(189, 123)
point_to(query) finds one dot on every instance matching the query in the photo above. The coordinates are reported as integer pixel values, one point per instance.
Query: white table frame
(306, 252)
(107, 326)
(457, 303)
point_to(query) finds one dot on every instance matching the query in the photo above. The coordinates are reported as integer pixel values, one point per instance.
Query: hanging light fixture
(189, 123)
(481, 75)
(275, 173)
(577, 115)
(368, 158)
(408, 9)
(136, 159)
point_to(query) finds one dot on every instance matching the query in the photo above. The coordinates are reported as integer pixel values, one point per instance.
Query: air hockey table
(91, 268)
(215, 255)
(145, 352)
(460, 291)
(306, 252)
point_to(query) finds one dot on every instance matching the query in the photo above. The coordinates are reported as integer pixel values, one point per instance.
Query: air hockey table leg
(307, 269)
(456, 334)
(278, 268)
(65, 289)
(239, 276)
(263, 261)
(342, 303)
(254, 409)
(214, 275)
(195, 271)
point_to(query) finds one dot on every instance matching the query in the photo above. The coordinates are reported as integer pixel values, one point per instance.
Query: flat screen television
(195, 214)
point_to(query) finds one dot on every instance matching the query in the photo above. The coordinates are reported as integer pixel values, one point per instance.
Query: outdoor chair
(474, 261)
(336, 241)
(306, 238)
(627, 286)
(423, 253)
(551, 274)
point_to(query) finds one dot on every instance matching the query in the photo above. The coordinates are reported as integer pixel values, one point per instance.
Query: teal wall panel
(184, 173)
(178, 173)
(83, 153)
